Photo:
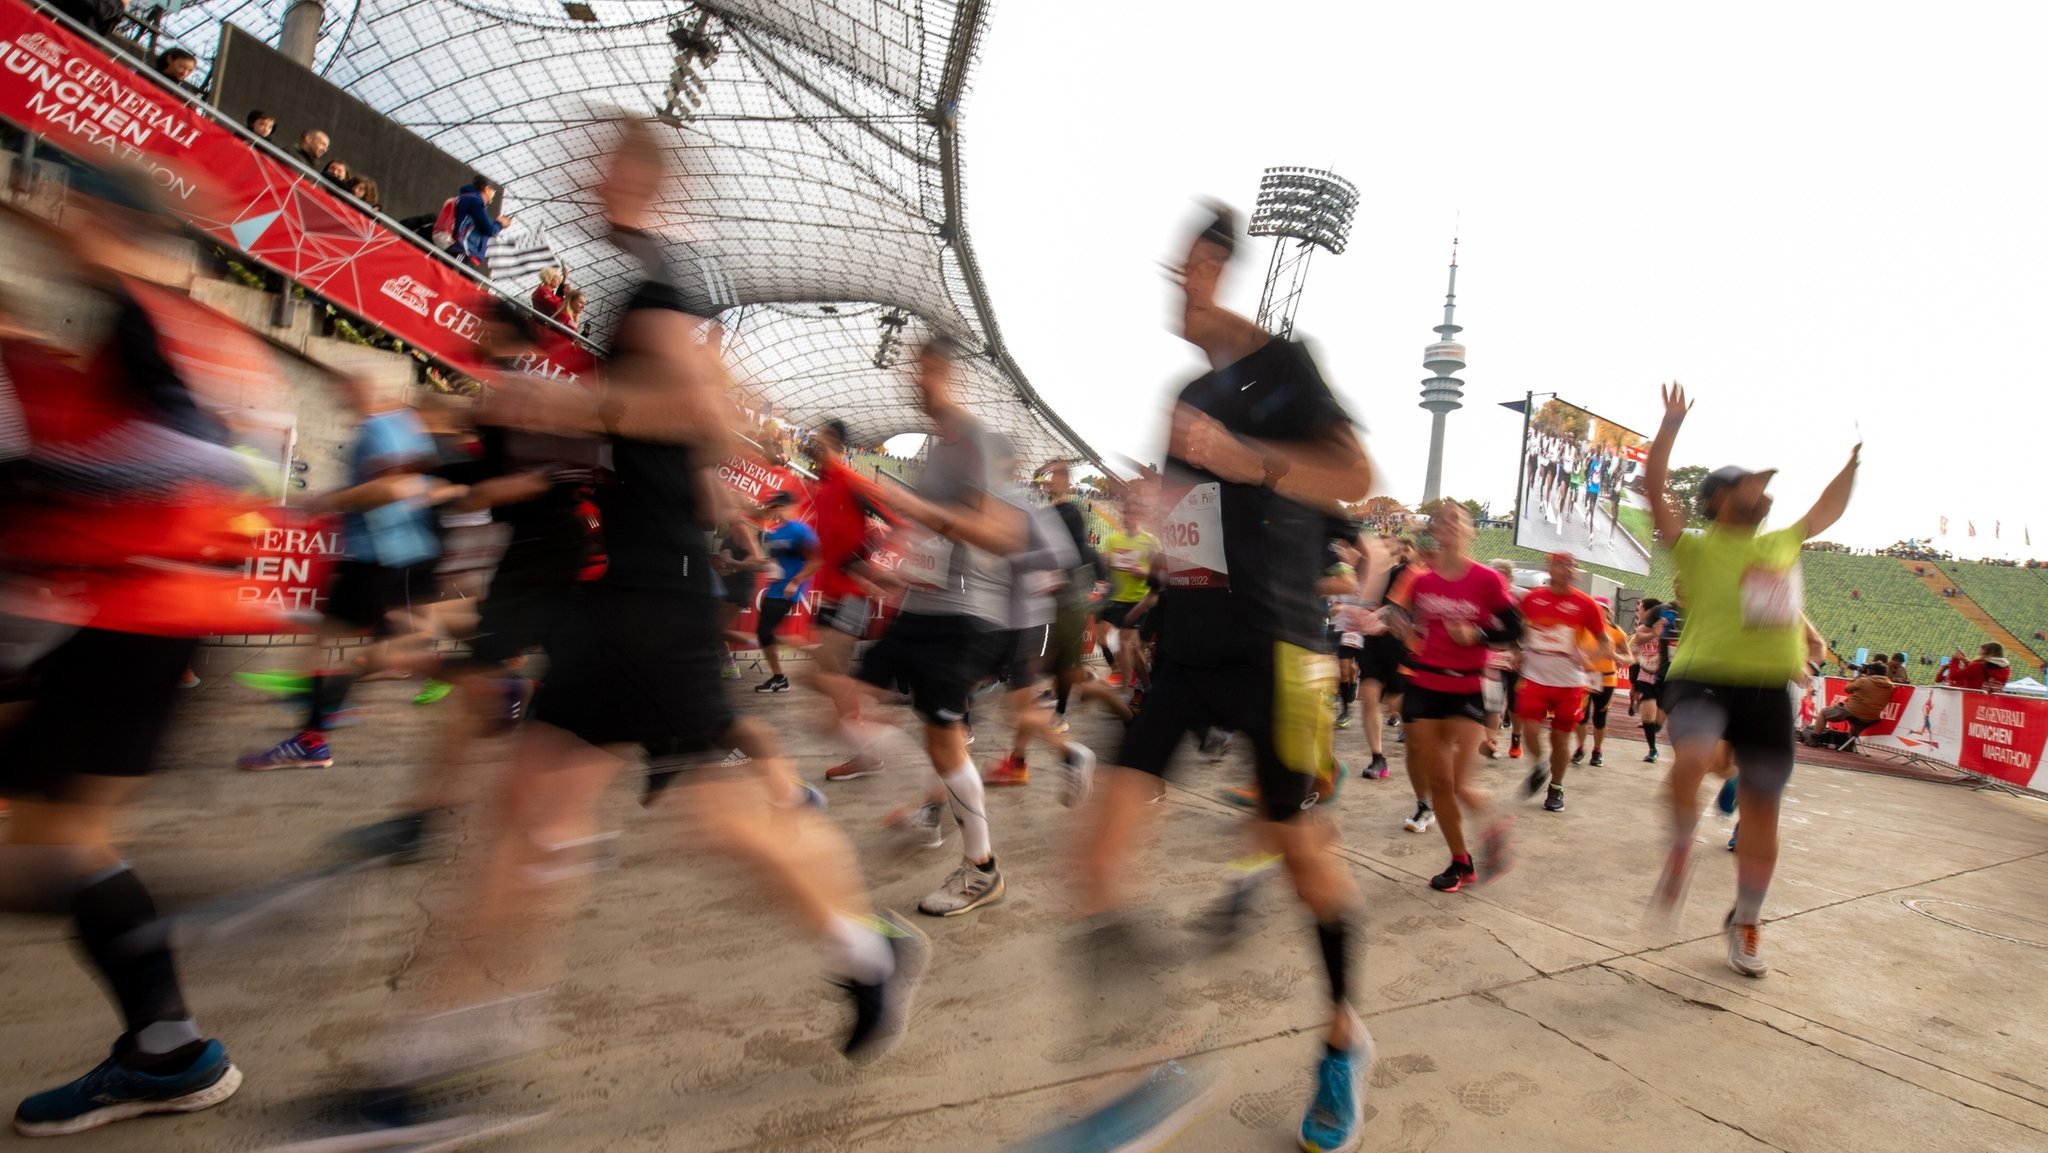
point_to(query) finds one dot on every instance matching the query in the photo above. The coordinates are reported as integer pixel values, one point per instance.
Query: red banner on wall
(1990, 733)
(293, 559)
(68, 90)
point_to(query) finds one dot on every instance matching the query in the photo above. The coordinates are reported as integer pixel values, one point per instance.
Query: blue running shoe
(1332, 1124)
(112, 1093)
(1725, 800)
(308, 750)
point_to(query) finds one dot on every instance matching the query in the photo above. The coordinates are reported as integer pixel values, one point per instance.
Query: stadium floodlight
(1310, 208)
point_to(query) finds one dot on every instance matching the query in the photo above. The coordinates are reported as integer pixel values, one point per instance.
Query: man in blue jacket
(474, 226)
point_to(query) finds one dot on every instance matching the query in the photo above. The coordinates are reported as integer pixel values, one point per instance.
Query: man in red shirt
(841, 503)
(1564, 636)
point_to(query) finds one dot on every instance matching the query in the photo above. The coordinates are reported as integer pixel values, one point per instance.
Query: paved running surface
(1908, 936)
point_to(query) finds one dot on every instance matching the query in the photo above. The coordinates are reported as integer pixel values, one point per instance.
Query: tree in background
(1683, 487)
(1481, 511)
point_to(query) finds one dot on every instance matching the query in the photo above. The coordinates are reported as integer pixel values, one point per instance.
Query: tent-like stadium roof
(819, 206)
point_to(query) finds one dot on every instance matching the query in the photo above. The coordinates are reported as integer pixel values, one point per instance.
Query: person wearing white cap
(1743, 641)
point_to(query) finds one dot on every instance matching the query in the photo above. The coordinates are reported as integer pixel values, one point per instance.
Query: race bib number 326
(1191, 538)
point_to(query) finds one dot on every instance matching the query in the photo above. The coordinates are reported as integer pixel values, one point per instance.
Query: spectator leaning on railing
(473, 225)
(1989, 671)
(261, 123)
(312, 148)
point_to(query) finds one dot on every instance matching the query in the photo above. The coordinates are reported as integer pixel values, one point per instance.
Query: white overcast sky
(1812, 214)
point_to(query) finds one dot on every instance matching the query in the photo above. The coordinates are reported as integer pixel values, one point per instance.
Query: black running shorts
(102, 702)
(1285, 708)
(1114, 613)
(362, 595)
(774, 610)
(1597, 703)
(638, 666)
(1380, 660)
(848, 615)
(1031, 656)
(1420, 704)
(939, 658)
(1757, 722)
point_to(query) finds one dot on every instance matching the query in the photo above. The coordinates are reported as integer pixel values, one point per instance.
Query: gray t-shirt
(1046, 562)
(970, 582)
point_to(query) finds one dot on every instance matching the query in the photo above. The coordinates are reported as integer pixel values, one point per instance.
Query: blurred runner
(1563, 634)
(1608, 669)
(1128, 549)
(1070, 605)
(125, 516)
(792, 548)
(1260, 451)
(842, 505)
(1744, 642)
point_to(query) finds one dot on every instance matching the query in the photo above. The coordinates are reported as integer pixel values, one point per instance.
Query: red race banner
(293, 559)
(65, 88)
(1994, 734)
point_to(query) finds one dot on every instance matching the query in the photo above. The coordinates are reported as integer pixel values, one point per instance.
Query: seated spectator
(365, 189)
(262, 123)
(178, 65)
(312, 148)
(1989, 671)
(337, 174)
(1862, 706)
(1895, 670)
(474, 226)
(547, 296)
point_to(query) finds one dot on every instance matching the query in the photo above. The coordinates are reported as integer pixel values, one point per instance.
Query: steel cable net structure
(818, 205)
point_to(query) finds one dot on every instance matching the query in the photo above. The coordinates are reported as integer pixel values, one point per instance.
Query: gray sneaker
(967, 889)
(927, 821)
(1745, 947)
(1077, 775)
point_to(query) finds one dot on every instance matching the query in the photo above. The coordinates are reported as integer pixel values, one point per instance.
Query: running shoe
(1596, 761)
(1114, 680)
(1077, 775)
(854, 769)
(729, 673)
(1490, 750)
(1333, 1123)
(775, 684)
(1554, 803)
(1060, 726)
(1344, 717)
(1497, 849)
(113, 1093)
(927, 821)
(1539, 774)
(1579, 755)
(1652, 758)
(1515, 750)
(433, 692)
(1009, 771)
(1458, 875)
(282, 682)
(1377, 769)
(1424, 817)
(308, 750)
(398, 838)
(1215, 743)
(1733, 834)
(1241, 797)
(966, 889)
(189, 680)
(881, 1012)
(1223, 922)
(1745, 947)
(811, 797)
(1725, 799)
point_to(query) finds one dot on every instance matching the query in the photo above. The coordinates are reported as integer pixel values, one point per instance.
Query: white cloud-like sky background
(1814, 215)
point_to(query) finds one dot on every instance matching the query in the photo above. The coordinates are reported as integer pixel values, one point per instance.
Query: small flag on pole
(1973, 527)
(1944, 526)
(1997, 529)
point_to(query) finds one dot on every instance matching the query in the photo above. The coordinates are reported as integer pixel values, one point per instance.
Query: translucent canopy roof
(818, 208)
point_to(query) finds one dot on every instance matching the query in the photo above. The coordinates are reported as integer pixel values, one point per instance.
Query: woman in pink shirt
(1453, 615)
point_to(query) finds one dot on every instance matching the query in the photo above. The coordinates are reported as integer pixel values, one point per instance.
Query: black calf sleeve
(1334, 938)
(115, 914)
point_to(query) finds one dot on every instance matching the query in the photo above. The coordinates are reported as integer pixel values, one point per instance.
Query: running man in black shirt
(1260, 453)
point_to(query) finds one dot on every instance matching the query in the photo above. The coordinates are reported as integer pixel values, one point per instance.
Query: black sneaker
(1652, 758)
(1538, 777)
(1344, 717)
(1596, 762)
(1555, 801)
(775, 684)
(1578, 756)
(881, 1012)
(399, 838)
(1457, 876)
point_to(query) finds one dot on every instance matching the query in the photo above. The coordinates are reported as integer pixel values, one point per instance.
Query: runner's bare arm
(1670, 521)
(675, 393)
(981, 521)
(1834, 500)
(1326, 471)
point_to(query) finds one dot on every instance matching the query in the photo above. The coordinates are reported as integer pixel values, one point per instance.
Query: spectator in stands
(1951, 668)
(102, 16)
(1896, 672)
(312, 148)
(262, 123)
(1862, 706)
(337, 173)
(1989, 671)
(547, 296)
(178, 65)
(365, 189)
(572, 308)
(474, 226)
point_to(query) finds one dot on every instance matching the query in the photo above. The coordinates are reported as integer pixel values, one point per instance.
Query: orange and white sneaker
(1745, 947)
(1011, 770)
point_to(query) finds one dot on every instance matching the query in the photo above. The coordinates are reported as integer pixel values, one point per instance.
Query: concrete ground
(1908, 934)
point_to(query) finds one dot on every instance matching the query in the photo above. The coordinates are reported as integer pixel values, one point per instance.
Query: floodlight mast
(1302, 209)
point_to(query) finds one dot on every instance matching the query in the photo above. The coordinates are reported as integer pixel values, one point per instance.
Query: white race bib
(1771, 600)
(927, 557)
(1191, 539)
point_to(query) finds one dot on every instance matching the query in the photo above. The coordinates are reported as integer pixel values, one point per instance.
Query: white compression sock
(858, 951)
(963, 788)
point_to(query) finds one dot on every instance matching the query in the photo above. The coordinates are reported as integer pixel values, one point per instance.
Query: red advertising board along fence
(1993, 734)
(64, 88)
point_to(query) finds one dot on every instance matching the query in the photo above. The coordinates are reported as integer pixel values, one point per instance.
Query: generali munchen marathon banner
(64, 88)
(1989, 733)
